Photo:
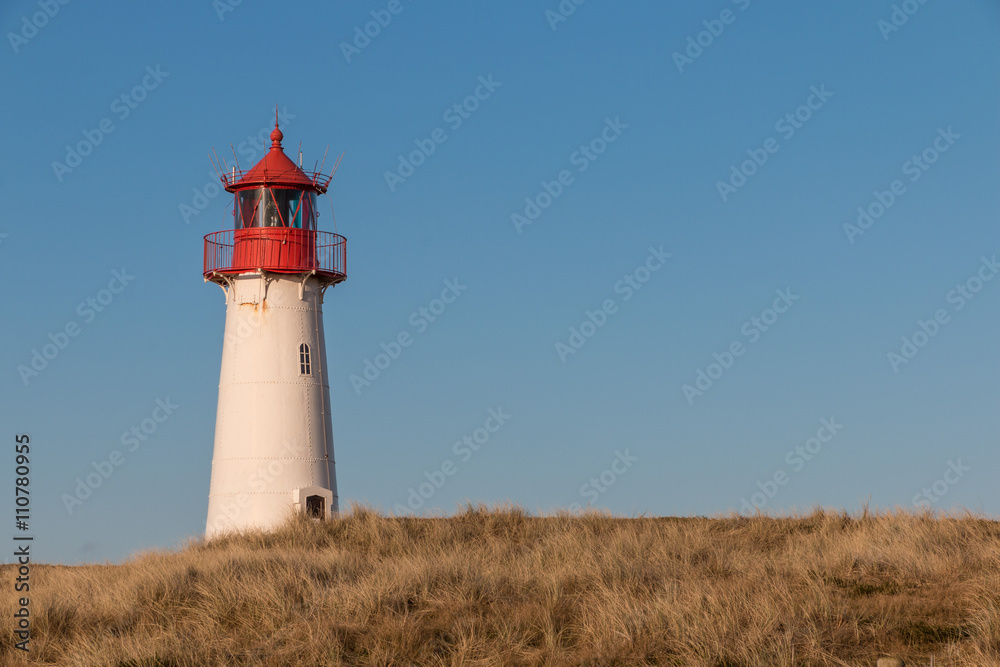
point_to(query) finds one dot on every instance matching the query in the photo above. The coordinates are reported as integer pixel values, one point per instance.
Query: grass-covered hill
(500, 587)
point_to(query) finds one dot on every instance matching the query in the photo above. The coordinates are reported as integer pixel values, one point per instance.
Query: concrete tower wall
(273, 433)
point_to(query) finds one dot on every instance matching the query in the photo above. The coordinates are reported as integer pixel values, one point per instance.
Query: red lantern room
(275, 223)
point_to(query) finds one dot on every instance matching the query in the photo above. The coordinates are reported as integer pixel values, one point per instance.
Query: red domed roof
(275, 169)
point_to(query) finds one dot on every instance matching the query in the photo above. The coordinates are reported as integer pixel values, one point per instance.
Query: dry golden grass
(499, 587)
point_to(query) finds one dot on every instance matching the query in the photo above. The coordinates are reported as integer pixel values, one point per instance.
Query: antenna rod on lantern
(337, 164)
(219, 163)
(214, 165)
(324, 158)
(236, 158)
(300, 155)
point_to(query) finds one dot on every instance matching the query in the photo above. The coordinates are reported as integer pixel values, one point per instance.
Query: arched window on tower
(305, 364)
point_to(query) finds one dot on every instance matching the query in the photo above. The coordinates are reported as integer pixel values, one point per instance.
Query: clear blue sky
(618, 402)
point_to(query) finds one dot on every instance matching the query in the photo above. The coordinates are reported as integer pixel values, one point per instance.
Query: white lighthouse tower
(273, 433)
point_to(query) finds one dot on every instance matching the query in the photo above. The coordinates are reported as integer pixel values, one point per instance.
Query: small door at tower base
(313, 501)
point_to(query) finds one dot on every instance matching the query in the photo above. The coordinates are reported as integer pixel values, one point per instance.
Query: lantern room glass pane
(309, 211)
(300, 205)
(270, 211)
(246, 208)
(276, 207)
(294, 208)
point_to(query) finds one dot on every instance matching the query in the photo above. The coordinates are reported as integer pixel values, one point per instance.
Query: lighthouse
(273, 450)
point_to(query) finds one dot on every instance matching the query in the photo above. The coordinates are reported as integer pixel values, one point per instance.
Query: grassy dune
(499, 587)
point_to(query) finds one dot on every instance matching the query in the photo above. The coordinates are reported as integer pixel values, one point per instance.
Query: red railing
(319, 180)
(277, 249)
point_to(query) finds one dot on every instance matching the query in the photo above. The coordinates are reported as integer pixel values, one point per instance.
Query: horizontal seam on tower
(267, 458)
(276, 307)
(310, 384)
(249, 493)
